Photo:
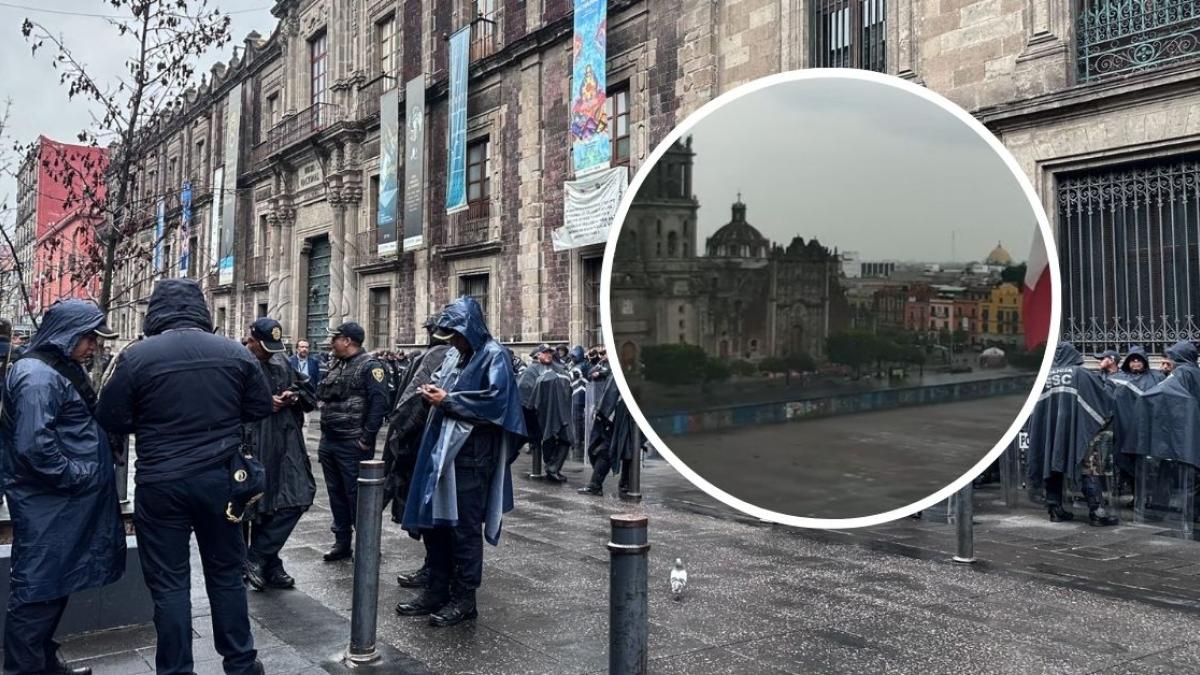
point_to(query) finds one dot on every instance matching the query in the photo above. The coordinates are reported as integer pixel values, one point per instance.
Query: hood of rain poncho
(65, 322)
(1072, 408)
(483, 388)
(1168, 415)
(1126, 388)
(176, 303)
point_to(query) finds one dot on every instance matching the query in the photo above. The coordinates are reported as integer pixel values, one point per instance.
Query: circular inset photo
(829, 296)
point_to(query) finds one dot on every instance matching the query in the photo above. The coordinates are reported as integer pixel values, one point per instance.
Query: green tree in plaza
(674, 364)
(163, 40)
(852, 348)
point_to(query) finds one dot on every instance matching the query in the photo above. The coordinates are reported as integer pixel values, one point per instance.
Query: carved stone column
(273, 262)
(351, 197)
(337, 257)
(287, 263)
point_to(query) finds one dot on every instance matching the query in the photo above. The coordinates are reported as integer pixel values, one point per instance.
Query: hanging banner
(591, 206)
(590, 148)
(414, 163)
(456, 162)
(160, 229)
(185, 226)
(214, 223)
(389, 148)
(233, 125)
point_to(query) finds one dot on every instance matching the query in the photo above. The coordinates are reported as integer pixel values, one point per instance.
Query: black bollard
(368, 526)
(964, 517)
(628, 603)
(535, 456)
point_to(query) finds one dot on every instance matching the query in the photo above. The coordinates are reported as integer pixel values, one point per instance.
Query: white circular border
(606, 305)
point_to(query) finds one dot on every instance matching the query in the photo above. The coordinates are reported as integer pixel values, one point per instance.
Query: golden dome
(998, 256)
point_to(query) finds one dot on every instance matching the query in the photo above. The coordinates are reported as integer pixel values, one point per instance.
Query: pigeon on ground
(678, 580)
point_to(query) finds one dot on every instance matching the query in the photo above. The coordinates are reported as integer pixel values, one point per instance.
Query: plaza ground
(849, 465)
(1044, 598)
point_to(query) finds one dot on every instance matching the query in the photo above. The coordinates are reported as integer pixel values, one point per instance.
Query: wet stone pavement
(761, 598)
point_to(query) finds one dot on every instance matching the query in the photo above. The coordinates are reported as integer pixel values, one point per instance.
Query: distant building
(1000, 315)
(875, 270)
(746, 298)
(851, 265)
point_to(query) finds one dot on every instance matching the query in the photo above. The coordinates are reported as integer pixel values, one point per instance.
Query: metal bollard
(964, 517)
(535, 456)
(628, 603)
(369, 523)
(634, 484)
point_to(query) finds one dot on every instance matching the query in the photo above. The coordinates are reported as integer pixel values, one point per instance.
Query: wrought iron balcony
(470, 226)
(256, 270)
(369, 93)
(297, 128)
(1117, 37)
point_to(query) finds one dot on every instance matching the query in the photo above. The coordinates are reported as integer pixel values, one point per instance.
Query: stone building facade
(1075, 96)
(743, 298)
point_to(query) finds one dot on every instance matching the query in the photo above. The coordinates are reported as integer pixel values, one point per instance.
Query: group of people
(1092, 426)
(453, 418)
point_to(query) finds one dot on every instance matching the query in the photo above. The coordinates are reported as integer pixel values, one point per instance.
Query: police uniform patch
(377, 373)
(240, 475)
(276, 333)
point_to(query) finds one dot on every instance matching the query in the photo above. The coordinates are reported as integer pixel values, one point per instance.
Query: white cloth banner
(591, 206)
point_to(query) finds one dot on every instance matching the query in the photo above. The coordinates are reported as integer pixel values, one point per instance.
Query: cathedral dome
(738, 238)
(998, 256)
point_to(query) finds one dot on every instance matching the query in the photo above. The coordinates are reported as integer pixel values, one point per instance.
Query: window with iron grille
(483, 29)
(381, 301)
(849, 34)
(385, 36)
(475, 286)
(1128, 251)
(318, 59)
(1114, 37)
(593, 335)
(617, 113)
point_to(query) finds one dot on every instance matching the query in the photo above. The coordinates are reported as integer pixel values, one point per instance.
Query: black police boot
(1099, 518)
(1058, 515)
(277, 577)
(252, 569)
(455, 612)
(417, 579)
(340, 551)
(590, 489)
(427, 602)
(61, 667)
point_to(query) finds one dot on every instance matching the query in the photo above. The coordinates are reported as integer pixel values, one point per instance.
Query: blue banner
(185, 227)
(590, 145)
(389, 189)
(160, 227)
(456, 163)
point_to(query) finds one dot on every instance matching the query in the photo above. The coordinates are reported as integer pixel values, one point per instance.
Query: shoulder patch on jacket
(377, 373)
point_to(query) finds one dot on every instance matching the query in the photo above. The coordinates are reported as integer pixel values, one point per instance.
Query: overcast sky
(40, 104)
(861, 166)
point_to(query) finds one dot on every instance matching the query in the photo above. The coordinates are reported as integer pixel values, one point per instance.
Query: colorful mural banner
(389, 149)
(590, 208)
(214, 223)
(185, 227)
(414, 163)
(456, 161)
(233, 126)
(160, 229)
(590, 144)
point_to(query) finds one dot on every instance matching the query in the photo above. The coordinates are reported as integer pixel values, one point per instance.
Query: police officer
(354, 398)
(184, 393)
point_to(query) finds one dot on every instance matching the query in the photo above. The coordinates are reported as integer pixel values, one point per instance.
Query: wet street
(849, 465)
(1044, 598)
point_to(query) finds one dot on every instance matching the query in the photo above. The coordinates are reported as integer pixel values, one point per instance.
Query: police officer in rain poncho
(1063, 431)
(59, 478)
(278, 442)
(543, 362)
(1127, 386)
(1168, 415)
(462, 481)
(406, 425)
(550, 401)
(615, 440)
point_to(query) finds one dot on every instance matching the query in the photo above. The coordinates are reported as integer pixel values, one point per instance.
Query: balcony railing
(470, 226)
(298, 127)
(256, 270)
(1117, 37)
(369, 93)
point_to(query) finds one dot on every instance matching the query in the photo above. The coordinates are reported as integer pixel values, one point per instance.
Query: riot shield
(591, 391)
(1165, 495)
